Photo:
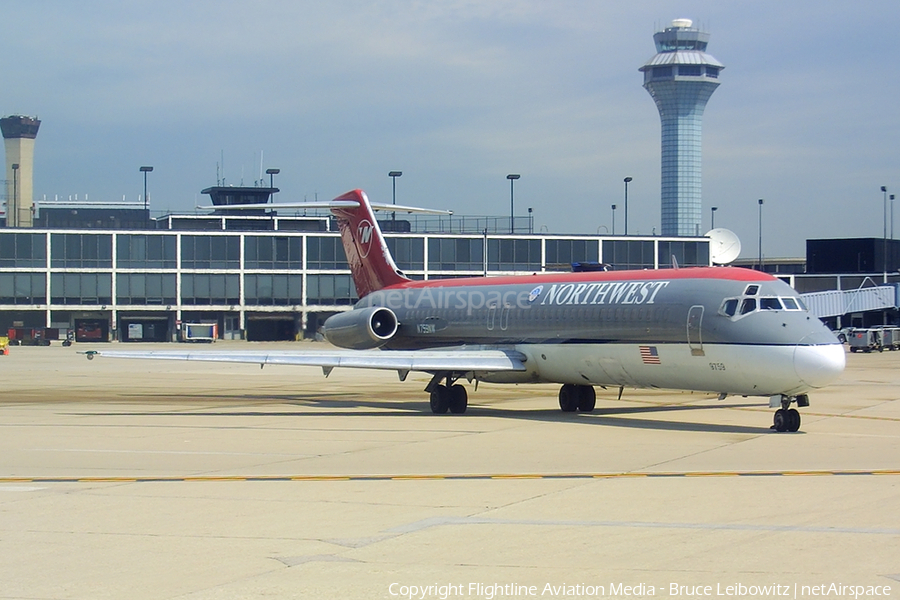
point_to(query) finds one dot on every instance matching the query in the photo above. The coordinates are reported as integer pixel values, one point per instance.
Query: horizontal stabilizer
(327, 205)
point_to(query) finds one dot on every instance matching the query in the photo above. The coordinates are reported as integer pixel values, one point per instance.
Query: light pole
(712, 220)
(512, 223)
(613, 219)
(884, 236)
(272, 173)
(893, 252)
(759, 264)
(892, 216)
(145, 170)
(394, 175)
(15, 213)
(627, 181)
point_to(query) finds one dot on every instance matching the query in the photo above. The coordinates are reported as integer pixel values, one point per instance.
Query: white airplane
(722, 330)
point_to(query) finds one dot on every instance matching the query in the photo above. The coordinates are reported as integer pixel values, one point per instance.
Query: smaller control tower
(18, 136)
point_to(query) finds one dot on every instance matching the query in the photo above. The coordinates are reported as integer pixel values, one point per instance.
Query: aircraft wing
(457, 359)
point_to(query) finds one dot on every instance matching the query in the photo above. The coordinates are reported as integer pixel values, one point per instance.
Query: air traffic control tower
(18, 137)
(681, 78)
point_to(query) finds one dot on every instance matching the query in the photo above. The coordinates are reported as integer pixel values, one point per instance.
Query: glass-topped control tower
(681, 78)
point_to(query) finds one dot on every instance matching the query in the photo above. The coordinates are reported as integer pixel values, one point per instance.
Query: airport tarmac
(173, 480)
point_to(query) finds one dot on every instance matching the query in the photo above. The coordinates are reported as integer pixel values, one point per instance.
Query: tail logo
(364, 236)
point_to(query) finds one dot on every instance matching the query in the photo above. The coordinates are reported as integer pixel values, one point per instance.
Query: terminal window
(330, 289)
(629, 254)
(514, 255)
(456, 254)
(408, 253)
(560, 252)
(80, 288)
(23, 288)
(325, 253)
(686, 254)
(273, 290)
(273, 252)
(145, 288)
(23, 250)
(210, 252)
(145, 251)
(206, 289)
(80, 250)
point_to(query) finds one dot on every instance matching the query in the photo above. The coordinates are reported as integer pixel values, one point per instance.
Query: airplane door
(694, 337)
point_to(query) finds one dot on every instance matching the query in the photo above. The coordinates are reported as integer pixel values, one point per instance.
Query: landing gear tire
(440, 399)
(568, 398)
(780, 421)
(459, 399)
(587, 398)
(793, 419)
(786, 420)
(577, 398)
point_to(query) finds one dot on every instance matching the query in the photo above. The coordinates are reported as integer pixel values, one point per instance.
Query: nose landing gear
(787, 418)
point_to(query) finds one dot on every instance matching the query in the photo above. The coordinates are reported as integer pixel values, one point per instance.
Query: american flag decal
(649, 355)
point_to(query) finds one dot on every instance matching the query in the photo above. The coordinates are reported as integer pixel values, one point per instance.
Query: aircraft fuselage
(719, 329)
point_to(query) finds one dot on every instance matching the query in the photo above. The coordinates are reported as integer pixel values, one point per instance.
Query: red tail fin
(367, 253)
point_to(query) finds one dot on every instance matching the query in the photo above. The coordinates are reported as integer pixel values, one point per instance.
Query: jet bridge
(835, 303)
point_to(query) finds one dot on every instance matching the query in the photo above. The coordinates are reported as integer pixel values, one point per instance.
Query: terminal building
(260, 276)
(267, 276)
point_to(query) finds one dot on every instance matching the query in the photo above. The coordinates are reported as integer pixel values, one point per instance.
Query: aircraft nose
(819, 365)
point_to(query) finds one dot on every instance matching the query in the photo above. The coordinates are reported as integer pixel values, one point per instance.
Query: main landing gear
(577, 397)
(452, 396)
(787, 418)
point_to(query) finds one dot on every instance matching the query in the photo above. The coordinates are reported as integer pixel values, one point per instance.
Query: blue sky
(457, 94)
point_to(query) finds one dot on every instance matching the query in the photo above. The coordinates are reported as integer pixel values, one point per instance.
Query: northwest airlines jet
(721, 330)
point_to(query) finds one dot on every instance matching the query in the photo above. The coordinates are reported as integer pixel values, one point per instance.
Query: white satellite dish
(724, 245)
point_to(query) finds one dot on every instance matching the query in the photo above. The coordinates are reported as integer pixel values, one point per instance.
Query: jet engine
(361, 329)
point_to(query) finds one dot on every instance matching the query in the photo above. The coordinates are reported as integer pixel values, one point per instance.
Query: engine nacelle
(361, 329)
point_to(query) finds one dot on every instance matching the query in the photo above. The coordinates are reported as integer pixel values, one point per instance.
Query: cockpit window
(729, 307)
(748, 305)
(750, 301)
(770, 304)
(791, 303)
